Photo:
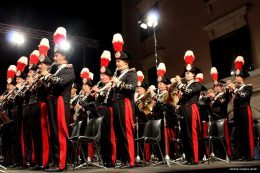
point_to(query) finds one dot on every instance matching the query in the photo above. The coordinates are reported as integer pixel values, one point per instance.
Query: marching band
(42, 102)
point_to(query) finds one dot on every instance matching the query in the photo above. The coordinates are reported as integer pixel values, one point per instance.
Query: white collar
(219, 94)
(190, 82)
(123, 71)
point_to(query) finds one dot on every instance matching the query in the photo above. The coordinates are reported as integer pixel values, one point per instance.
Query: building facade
(217, 31)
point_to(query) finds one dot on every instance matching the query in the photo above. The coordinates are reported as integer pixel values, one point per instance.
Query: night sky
(98, 20)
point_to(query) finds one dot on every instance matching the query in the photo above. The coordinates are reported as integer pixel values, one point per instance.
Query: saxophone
(146, 103)
(172, 97)
(76, 108)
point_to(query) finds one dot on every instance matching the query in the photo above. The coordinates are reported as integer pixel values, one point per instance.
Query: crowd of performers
(42, 103)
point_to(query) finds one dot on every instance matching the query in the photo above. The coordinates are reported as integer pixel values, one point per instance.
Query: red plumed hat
(189, 58)
(161, 70)
(239, 70)
(200, 77)
(44, 47)
(140, 78)
(21, 64)
(118, 42)
(214, 73)
(239, 63)
(34, 57)
(84, 74)
(104, 60)
(11, 72)
(59, 35)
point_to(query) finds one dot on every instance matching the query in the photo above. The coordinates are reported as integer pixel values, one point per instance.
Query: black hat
(22, 75)
(242, 73)
(165, 80)
(124, 55)
(190, 68)
(107, 72)
(144, 85)
(11, 81)
(46, 60)
(33, 67)
(89, 83)
(219, 83)
(76, 86)
(203, 88)
(59, 49)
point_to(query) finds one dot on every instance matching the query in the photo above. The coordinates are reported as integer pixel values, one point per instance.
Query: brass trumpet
(227, 84)
(173, 80)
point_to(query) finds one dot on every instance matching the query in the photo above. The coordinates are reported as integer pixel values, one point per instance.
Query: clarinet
(111, 86)
(49, 68)
(28, 86)
(2, 102)
(76, 113)
(99, 82)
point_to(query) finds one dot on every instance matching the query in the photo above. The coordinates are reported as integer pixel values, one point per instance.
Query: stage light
(16, 37)
(232, 73)
(143, 25)
(152, 19)
(65, 45)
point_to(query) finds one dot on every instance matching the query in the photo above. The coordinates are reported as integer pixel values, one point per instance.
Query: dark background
(97, 19)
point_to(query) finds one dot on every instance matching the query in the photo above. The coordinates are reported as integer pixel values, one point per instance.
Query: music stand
(178, 138)
(212, 156)
(163, 107)
(137, 158)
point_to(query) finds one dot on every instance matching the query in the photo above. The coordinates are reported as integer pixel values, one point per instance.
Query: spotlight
(16, 37)
(152, 19)
(143, 25)
(65, 45)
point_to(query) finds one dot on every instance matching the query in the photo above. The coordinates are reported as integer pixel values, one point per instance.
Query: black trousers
(108, 138)
(26, 134)
(190, 126)
(40, 133)
(243, 120)
(58, 113)
(16, 138)
(124, 130)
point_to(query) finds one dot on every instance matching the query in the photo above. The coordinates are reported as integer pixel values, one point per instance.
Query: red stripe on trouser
(33, 151)
(204, 129)
(250, 131)
(194, 127)
(129, 123)
(62, 133)
(112, 137)
(169, 135)
(22, 142)
(227, 139)
(147, 149)
(166, 142)
(45, 134)
(90, 150)
(205, 134)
